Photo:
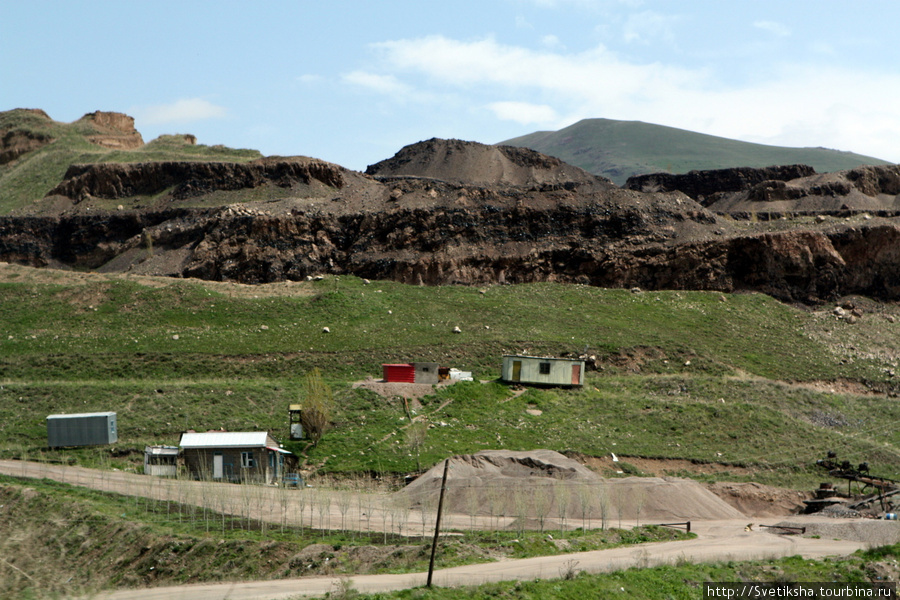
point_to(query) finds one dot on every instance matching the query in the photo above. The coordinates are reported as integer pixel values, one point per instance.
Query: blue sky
(353, 82)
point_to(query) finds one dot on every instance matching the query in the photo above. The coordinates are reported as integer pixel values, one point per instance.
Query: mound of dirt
(758, 500)
(870, 531)
(481, 164)
(532, 485)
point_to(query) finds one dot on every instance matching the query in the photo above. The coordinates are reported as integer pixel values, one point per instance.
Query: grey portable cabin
(82, 429)
(538, 370)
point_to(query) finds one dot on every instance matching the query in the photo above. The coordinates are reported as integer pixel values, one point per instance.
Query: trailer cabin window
(544, 368)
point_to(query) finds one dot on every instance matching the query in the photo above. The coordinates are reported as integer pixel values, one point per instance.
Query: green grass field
(748, 387)
(33, 175)
(738, 380)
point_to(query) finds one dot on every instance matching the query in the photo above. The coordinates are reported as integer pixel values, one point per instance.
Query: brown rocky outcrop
(189, 179)
(464, 246)
(871, 189)
(113, 130)
(706, 186)
(450, 212)
(20, 132)
(15, 142)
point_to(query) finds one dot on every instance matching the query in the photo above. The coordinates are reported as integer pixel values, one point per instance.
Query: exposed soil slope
(796, 189)
(552, 485)
(479, 164)
(446, 211)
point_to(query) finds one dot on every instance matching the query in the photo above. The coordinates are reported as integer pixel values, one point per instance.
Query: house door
(517, 370)
(217, 465)
(576, 374)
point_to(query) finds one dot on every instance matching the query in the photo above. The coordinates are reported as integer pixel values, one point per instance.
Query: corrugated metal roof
(543, 357)
(79, 415)
(221, 439)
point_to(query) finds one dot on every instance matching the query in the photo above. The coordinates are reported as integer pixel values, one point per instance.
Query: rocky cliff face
(706, 186)
(449, 212)
(465, 246)
(189, 179)
(113, 130)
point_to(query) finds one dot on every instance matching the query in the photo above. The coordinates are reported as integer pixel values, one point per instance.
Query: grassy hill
(728, 380)
(745, 386)
(620, 149)
(30, 176)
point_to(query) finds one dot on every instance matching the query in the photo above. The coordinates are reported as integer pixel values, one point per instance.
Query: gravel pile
(874, 532)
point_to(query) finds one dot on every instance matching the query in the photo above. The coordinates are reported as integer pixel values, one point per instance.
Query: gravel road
(716, 541)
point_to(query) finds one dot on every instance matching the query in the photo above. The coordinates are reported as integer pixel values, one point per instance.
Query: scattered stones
(326, 330)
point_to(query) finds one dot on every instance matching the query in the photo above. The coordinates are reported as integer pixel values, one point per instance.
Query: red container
(404, 373)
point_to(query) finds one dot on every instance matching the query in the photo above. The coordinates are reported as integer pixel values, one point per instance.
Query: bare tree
(541, 501)
(415, 439)
(603, 496)
(318, 406)
(344, 500)
(473, 502)
(584, 501)
(562, 494)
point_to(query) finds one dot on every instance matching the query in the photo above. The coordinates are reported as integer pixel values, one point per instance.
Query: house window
(544, 368)
(247, 460)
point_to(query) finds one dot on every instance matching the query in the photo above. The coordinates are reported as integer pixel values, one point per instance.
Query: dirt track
(717, 540)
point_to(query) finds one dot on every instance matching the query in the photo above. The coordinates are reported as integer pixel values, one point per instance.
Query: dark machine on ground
(874, 489)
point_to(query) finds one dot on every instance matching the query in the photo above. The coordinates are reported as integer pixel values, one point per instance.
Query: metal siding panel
(83, 429)
(402, 373)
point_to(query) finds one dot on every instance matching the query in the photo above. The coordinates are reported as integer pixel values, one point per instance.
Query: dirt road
(716, 541)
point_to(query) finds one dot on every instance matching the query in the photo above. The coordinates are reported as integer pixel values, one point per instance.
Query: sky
(352, 82)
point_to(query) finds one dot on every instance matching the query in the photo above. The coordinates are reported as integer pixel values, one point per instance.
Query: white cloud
(524, 112)
(648, 26)
(186, 110)
(796, 105)
(775, 28)
(383, 84)
(596, 76)
(551, 41)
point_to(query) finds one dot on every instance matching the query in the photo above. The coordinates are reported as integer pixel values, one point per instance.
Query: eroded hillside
(454, 212)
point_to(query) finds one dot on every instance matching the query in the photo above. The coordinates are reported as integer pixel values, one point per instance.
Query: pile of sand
(873, 532)
(758, 500)
(535, 484)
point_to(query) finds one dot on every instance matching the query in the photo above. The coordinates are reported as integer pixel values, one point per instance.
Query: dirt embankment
(442, 212)
(190, 179)
(485, 245)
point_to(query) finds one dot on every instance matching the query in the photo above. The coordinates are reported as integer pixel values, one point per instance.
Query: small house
(537, 370)
(249, 456)
(161, 461)
(419, 372)
(82, 429)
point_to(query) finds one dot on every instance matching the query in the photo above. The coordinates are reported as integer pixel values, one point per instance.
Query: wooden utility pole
(437, 522)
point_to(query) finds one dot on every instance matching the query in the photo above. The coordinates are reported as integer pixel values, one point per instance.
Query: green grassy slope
(688, 375)
(34, 174)
(619, 149)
